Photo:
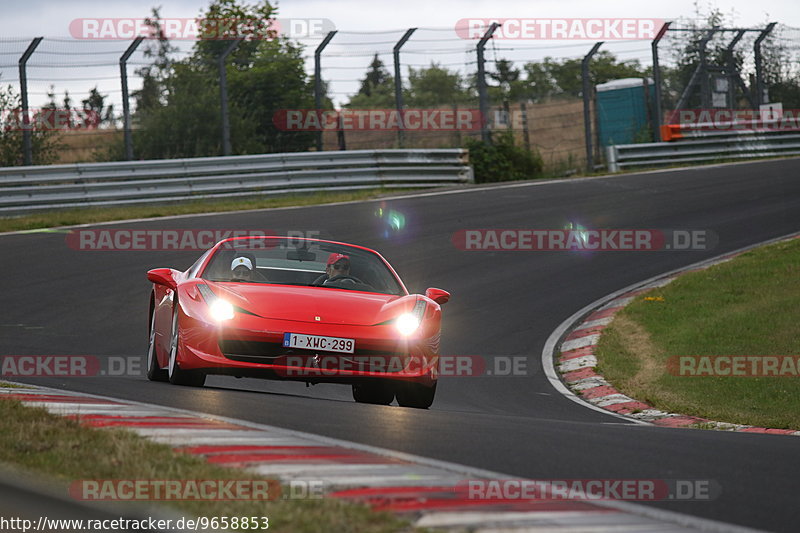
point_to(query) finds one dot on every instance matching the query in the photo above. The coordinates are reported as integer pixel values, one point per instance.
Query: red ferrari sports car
(296, 309)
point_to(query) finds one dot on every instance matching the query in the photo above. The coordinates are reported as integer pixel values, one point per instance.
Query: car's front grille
(252, 348)
(259, 351)
(273, 353)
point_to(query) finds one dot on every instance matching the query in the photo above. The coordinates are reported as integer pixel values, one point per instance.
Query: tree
(434, 86)
(225, 20)
(780, 64)
(96, 105)
(68, 111)
(781, 69)
(603, 67)
(179, 111)
(276, 81)
(51, 98)
(44, 146)
(539, 83)
(377, 88)
(505, 74)
(685, 51)
(152, 94)
(552, 77)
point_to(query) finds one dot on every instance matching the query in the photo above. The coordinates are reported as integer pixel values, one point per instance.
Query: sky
(365, 27)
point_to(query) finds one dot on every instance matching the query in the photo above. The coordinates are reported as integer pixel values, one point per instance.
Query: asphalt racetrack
(59, 300)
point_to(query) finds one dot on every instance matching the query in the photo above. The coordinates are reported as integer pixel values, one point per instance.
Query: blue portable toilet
(624, 110)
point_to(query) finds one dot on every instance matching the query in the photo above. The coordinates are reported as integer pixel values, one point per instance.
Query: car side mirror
(438, 295)
(162, 276)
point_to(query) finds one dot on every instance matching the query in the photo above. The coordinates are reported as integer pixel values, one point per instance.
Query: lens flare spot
(391, 222)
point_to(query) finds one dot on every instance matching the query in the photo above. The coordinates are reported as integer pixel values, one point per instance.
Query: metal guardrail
(709, 148)
(783, 124)
(32, 189)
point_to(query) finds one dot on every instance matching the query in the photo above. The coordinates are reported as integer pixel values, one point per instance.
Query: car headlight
(219, 309)
(407, 323)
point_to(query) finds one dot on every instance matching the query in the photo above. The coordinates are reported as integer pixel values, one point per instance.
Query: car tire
(375, 392)
(154, 372)
(415, 395)
(194, 378)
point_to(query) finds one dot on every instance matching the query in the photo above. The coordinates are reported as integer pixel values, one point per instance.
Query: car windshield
(298, 262)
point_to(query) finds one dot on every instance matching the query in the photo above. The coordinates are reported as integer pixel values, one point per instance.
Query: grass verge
(745, 307)
(61, 448)
(91, 215)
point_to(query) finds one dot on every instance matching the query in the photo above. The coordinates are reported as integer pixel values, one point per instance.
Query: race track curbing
(576, 362)
(427, 492)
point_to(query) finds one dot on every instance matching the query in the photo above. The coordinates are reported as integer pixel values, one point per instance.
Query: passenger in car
(242, 269)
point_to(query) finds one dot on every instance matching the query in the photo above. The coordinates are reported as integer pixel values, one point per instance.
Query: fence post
(733, 73)
(398, 85)
(318, 82)
(27, 149)
(340, 137)
(483, 98)
(658, 110)
(587, 89)
(126, 106)
(699, 72)
(761, 98)
(611, 158)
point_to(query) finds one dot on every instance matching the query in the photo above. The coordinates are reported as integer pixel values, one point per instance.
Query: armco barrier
(781, 124)
(25, 190)
(712, 146)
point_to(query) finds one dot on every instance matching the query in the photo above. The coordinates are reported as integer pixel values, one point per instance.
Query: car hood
(314, 304)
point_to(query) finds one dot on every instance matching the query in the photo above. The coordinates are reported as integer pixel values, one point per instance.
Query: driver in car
(337, 268)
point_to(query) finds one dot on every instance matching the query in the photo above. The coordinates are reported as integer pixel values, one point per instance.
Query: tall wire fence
(552, 125)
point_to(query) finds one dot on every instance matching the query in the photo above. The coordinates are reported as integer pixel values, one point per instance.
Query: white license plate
(318, 342)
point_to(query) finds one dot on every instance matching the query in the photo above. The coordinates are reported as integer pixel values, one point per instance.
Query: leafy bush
(44, 142)
(502, 160)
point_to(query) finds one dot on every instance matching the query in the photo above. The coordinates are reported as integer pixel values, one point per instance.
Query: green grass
(92, 215)
(35, 440)
(747, 306)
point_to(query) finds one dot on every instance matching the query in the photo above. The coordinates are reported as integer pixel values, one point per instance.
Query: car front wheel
(177, 376)
(375, 392)
(415, 395)
(154, 372)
